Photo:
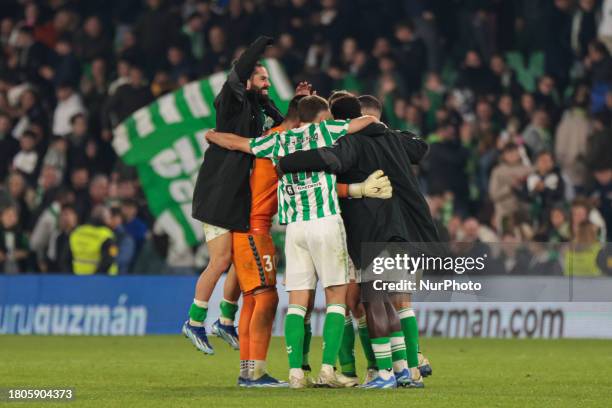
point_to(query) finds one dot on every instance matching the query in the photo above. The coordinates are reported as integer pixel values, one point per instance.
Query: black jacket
(404, 217)
(222, 195)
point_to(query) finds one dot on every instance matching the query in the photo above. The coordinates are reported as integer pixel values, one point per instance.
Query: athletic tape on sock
(407, 312)
(200, 303)
(336, 308)
(296, 310)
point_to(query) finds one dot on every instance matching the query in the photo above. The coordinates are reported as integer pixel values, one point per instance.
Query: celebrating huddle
(260, 163)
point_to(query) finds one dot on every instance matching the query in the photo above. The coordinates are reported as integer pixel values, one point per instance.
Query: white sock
(327, 369)
(258, 369)
(385, 374)
(225, 321)
(399, 366)
(244, 368)
(196, 324)
(296, 372)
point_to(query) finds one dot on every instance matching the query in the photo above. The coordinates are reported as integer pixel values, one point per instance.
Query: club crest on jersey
(268, 123)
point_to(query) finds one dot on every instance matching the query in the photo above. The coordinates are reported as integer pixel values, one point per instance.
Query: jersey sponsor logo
(292, 190)
(304, 140)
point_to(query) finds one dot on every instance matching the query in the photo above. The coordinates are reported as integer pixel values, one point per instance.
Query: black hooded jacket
(404, 217)
(222, 195)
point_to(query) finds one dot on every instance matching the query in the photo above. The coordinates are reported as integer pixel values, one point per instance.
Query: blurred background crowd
(514, 96)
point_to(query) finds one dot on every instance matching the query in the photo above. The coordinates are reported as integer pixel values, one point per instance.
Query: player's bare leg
(224, 326)
(220, 252)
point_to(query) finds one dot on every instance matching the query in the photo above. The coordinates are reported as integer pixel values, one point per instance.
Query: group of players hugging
(260, 163)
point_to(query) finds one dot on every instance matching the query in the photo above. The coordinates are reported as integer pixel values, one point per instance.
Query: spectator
(571, 138)
(602, 194)
(91, 41)
(411, 55)
(445, 166)
(127, 99)
(537, 135)
(14, 194)
(581, 258)
(56, 155)
(58, 253)
(544, 188)
(98, 191)
(558, 226)
(217, 58)
(193, 30)
(14, 246)
(125, 243)
(47, 228)
(155, 29)
(26, 161)
(92, 245)
(582, 211)
(64, 67)
(69, 104)
(179, 256)
(79, 181)
(133, 225)
(8, 145)
(506, 181)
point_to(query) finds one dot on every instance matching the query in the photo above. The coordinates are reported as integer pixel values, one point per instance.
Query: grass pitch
(166, 371)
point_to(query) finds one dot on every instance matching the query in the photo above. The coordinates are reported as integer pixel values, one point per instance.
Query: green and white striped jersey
(309, 195)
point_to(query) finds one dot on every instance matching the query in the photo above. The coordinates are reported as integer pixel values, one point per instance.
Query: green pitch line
(166, 371)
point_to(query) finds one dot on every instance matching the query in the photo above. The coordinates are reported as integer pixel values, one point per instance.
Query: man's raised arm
(246, 63)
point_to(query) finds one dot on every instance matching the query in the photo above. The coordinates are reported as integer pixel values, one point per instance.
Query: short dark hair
(310, 106)
(76, 116)
(347, 107)
(292, 109)
(510, 146)
(370, 102)
(338, 94)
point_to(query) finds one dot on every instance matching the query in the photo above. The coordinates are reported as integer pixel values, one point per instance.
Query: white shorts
(316, 249)
(212, 231)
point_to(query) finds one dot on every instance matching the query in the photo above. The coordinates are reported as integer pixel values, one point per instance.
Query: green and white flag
(165, 142)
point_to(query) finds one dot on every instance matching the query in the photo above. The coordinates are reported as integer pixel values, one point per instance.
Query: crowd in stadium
(514, 97)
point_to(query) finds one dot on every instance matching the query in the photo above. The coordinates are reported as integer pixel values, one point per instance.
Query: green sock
(228, 310)
(332, 332)
(364, 336)
(382, 352)
(398, 351)
(294, 334)
(198, 311)
(410, 328)
(307, 337)
(346, 356)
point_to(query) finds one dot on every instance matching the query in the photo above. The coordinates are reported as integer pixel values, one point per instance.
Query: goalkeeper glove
(377, 185)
